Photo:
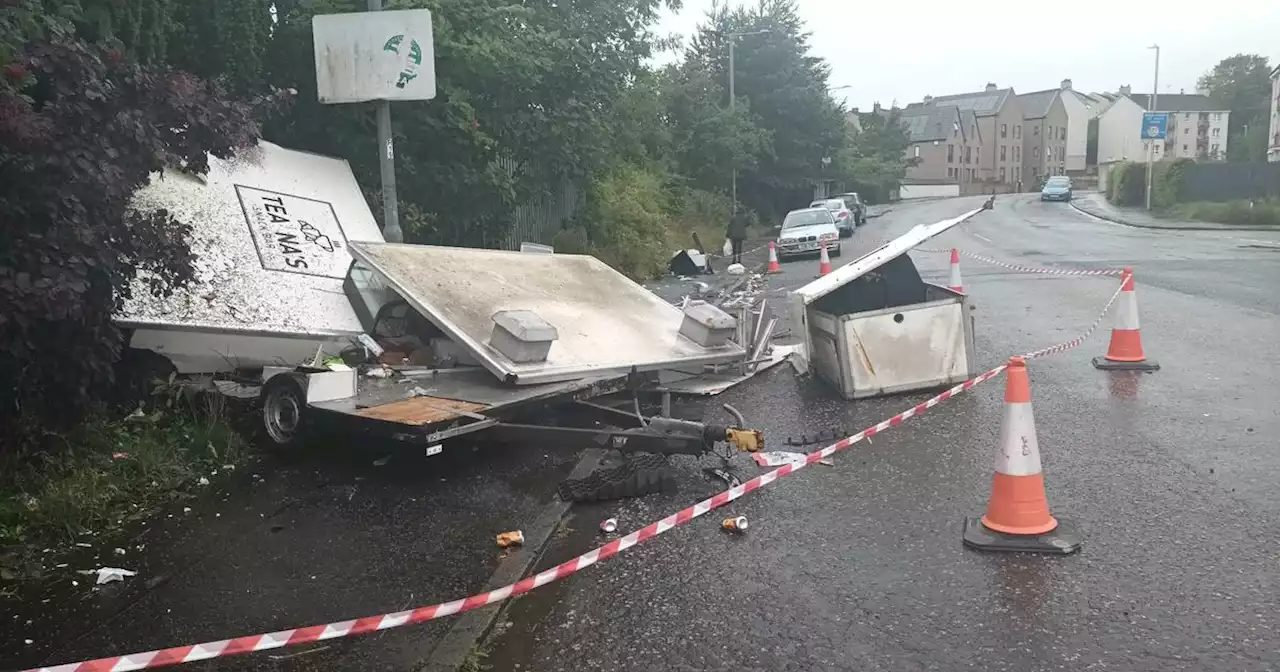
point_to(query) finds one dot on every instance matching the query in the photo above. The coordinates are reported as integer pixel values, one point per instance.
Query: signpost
(1155, 125)
(376, 56)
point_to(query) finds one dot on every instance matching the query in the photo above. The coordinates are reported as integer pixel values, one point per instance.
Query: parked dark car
(856, 205)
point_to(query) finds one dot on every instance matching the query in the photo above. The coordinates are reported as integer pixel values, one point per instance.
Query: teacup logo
(410, 61)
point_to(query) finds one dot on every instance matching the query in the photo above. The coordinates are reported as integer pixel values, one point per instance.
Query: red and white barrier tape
(306, 635)
(1044, 270)
(275, 640)
(1067, 345)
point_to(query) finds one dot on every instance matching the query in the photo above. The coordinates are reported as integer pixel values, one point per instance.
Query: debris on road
(729, 479)
(736, 269)
(777, 458)
(609, 525)
(509, 539)
(734, 524)
(108, 574)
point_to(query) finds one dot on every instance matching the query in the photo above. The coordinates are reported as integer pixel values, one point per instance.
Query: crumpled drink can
(512, 538)
(735, 524)
(609, 525)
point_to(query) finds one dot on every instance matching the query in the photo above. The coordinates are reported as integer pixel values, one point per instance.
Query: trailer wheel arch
(284, 410)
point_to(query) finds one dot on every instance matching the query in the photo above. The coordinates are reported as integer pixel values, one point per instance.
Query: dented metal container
(873, 327)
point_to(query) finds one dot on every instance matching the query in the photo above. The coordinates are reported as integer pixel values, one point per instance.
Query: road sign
(374, 56)
(1155, 125)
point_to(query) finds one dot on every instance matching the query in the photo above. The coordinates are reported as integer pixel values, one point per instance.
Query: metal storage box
(874, 327)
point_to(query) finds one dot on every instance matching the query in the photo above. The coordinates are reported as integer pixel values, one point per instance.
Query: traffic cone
(824, 262)
(773, 260)
(1125, 352)
(1017, 517)
(957, 285)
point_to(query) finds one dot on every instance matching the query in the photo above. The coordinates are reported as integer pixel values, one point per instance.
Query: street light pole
(1151, 146)
(733, 96)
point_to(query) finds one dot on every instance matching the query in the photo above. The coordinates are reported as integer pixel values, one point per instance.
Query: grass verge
(1253, 213)
(108, 472)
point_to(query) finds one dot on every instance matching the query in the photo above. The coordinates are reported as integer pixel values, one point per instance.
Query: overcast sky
(905, 49)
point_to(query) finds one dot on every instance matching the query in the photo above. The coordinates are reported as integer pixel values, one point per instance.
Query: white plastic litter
(728, 247)
(777, 458)
(109, 574)
(736, 269)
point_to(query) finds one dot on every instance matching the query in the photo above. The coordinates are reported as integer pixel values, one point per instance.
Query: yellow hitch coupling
(746, 440)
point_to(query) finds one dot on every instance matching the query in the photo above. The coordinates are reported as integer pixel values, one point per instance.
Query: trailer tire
(640, 475)
(284, 405)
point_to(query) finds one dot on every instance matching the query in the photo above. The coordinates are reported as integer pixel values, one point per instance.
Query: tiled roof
(982, 103)
(923, 124)
(1037, 103)
(1178, 102)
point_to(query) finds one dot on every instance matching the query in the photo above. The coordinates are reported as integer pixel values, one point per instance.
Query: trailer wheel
(284, 406)
(640, 475)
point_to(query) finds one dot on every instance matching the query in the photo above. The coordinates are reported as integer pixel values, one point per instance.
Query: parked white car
(845, 220)
(804, 231)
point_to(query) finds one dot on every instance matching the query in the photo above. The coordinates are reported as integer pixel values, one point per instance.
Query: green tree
(873, 162)
(1243, 83)
(81, 130)
(785, 88)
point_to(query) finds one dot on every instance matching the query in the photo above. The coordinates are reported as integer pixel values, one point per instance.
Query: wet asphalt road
(1171, 477)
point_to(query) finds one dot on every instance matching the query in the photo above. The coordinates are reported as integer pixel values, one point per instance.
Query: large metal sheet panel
(270, 230)
(606, 322)
(374, 56)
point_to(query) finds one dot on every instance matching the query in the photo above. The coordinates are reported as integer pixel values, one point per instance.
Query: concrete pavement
(860, 566)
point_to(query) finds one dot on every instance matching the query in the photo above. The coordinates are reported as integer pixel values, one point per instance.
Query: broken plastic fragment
(107, 574)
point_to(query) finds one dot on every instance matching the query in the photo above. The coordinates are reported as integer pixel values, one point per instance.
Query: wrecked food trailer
(873, 327)
(270, 229)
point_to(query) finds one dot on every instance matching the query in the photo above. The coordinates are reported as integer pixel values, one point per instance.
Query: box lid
(526, 326)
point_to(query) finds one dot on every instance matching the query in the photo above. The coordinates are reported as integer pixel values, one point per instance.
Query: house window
(1017, 131)
(951, 171)
(1035, 130)
(1017, 152)
(1002, 173)
(1215, 132)
(968, 154)
(1004, 130)
(1035, 152)
(917, 151)
(1184, 148)
(951, 153)
(1186, 131)
(1217, 116)
(1215, 149)
(1186, 116)
(977, 155)
(1002, 158)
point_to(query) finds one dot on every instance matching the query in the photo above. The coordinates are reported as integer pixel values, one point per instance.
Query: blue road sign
(1155, 125)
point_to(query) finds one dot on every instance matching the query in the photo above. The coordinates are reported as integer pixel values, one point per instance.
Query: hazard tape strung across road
(1044, 270)
(1067, 345)
(315, 633)
(360, 626)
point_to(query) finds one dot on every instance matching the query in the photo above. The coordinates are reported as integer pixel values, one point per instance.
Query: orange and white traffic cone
(1125, 352)
(824, 262)
(1017, 517)
(957, 285)
(773, 260)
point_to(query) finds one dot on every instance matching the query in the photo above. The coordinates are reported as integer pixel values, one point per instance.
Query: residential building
(1081, 109)
(1273, 142)
(943, 143)
(996, 129)
(1197, 127)
(1045, 133)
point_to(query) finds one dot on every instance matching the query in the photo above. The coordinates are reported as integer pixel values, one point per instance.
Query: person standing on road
(737, 233)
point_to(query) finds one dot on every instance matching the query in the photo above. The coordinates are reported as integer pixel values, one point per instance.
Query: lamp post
(1151, 146)
(733, 37)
